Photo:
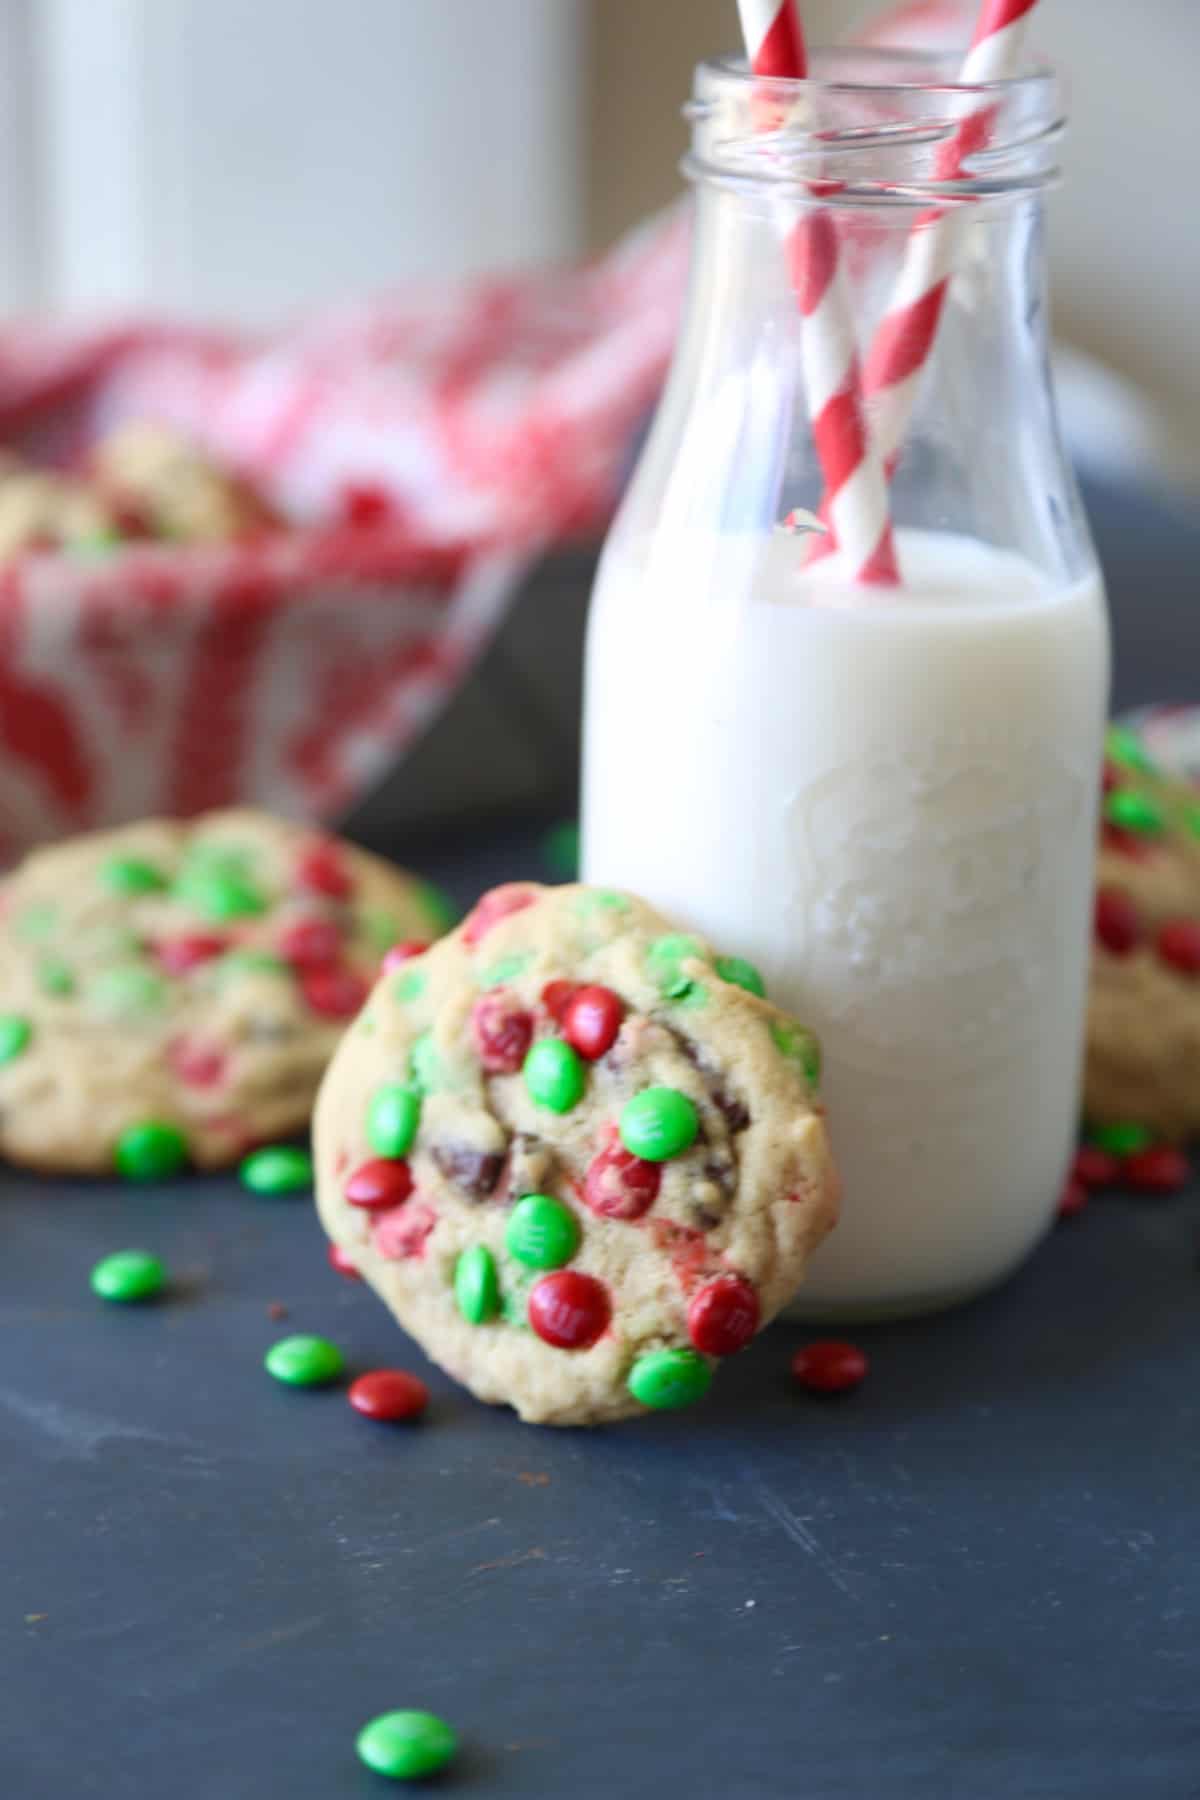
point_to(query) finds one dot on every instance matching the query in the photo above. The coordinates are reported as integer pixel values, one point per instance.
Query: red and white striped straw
(856, 502)
(906, 333)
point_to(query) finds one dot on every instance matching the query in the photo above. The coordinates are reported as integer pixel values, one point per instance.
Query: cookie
(174, 488)
(1143, 1033)
(172, 992)
(576, 1153)
(43, 510)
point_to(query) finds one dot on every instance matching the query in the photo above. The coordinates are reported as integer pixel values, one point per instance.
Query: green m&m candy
(1124, 1138)
(1130, 810)
(248, 961)
(477, 1285)
(798, 1046)
(406, 1745)
(554, 1075)
(541, 1232)
(658, 1123)
(150, 1151)
(560, 848)
(277, 1169)
(126, 991)
(129, 1275)
(132, 875)
(666, 1379)
(1125, 747)
(304, 1361)
(220, 892)
(15, 1033)
(54, 977)
(424, 1064)
(666, 956)
(742, 974)
(393, 1115)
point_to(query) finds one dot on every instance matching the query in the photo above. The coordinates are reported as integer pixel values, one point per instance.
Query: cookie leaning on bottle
(576, 1152)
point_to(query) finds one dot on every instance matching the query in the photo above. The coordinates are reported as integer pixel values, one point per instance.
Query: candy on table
(1073, 1199)
(829, 1366)
(304, 1361)
(1158, 1169)
(406, 1745)
(277, 1169)
(1095, 1167)
(129, 1275)
(560, 849)
(388, 1395)
(150, 1151)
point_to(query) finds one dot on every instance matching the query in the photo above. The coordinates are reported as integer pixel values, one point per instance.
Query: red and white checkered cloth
(496, 415)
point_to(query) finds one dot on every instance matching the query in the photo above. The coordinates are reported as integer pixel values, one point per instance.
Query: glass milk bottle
(884, 796)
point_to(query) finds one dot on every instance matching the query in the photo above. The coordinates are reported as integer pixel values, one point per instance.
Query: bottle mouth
(877, 127)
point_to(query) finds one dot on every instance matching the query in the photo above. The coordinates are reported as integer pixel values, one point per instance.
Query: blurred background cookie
(171, 992)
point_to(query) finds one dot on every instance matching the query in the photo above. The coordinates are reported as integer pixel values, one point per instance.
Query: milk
(891, 809)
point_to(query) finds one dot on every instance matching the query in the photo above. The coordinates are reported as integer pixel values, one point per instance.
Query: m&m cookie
(170, 993)
(577, 1153)
(1143, 1038)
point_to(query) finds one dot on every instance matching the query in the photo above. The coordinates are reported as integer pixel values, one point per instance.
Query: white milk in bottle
(884, 797)
(891, 809)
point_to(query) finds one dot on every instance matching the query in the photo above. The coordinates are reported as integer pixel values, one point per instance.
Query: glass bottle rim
(869, 123)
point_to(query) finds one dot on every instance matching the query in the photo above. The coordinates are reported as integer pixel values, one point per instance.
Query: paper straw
(906, 333)
(856, 505)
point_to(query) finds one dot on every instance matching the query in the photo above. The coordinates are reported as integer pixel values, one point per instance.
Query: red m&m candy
(501, 1031)
(569, 1310)
(513, 897)
(1073, 1199)
(1117, 925)
(388, 1395)
(1095, 1167)
(322, 870)
(196, 1063)
(1160, 1170)
(311, 943)
(591, 1020)
(1178, 943)
(723, 1316)
(619, 1185)
(188, 950)
(383, 1182)
(332, 990)
(557, 996)
(829, 1366)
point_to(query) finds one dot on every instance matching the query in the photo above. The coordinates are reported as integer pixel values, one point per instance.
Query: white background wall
(252, 156)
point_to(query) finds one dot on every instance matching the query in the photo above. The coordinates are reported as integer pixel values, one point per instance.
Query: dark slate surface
(976, 1579)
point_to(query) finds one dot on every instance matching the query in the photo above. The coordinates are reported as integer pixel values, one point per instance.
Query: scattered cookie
(172, 992)
(576, 1153)
(1143, 1039)
(172, 488)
